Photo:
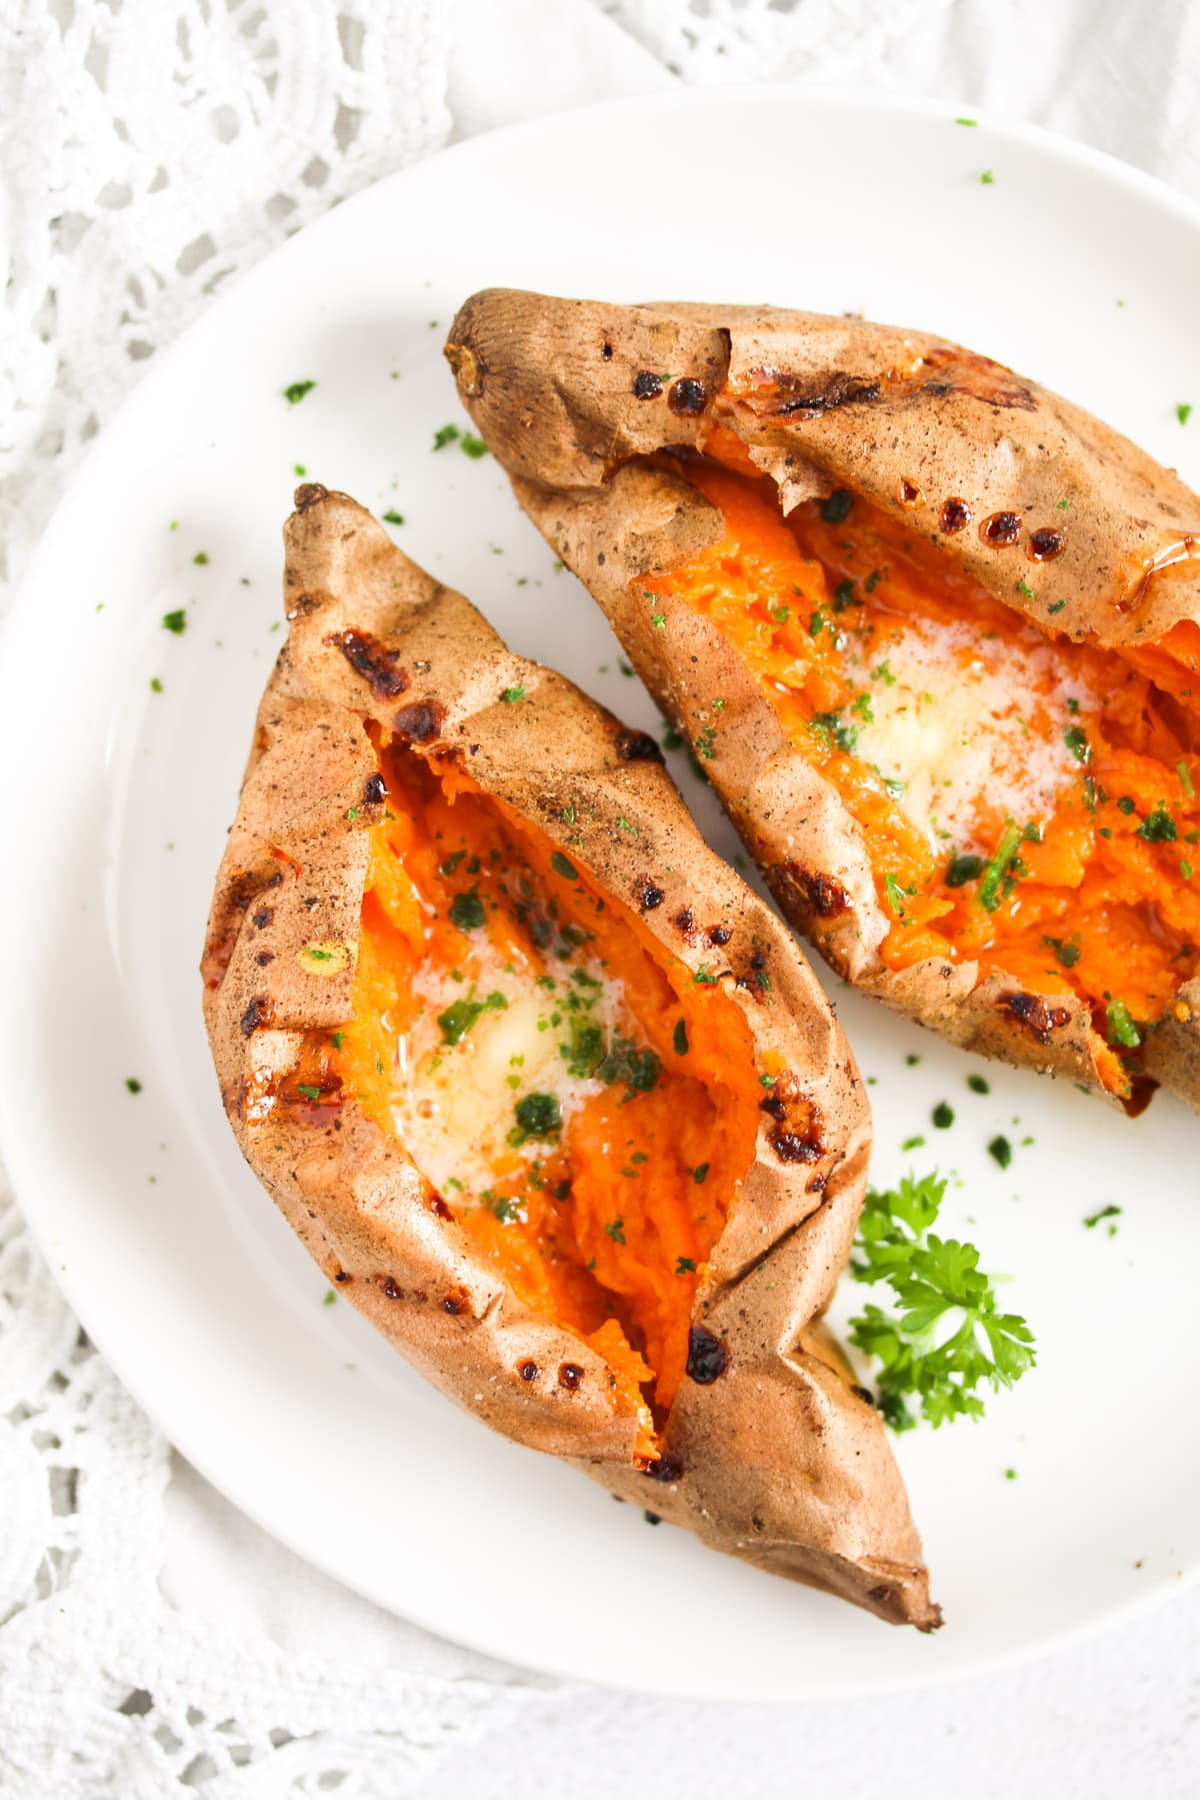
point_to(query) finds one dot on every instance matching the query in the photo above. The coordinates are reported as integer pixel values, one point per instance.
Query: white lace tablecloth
(151, 1639)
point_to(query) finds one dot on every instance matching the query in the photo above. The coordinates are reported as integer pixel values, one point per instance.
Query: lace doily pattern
(153, 148)
(105, 1690)
(766, 40)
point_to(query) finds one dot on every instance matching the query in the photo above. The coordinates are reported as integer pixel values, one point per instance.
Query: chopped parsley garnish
(1075, 738)
(684, 1265)
(585, 1047)
(1000, 1151)
(978, 1085)
(309, 1091)
(987, 178)
(329, 1297)
(913, 1143)
(296, 390)
(626, 1061)
(467, 911)
(200, 558)
(175, 621)
(1125, 804)
(336, 1039)
(659, 622)
(512, 694)
(895, 894)
(460, 1015)
(993, 885)
(861, 704)
(472, 446)
(881, 672)
(966, 121)
(943, 1115)
(447, 434)
(393, 517)
(680, 1038)
(133, 1084)
(1183, 412)
(615, 1229)
(836, 506)
(781, 614)
(706, 742)
(537, 1116)
(1068, 950)
(700, 1174)
(1105, 1212)
(156, 686)
(1185, 779)
(1057, 607)
(962, 869)
(1023, 587)
(831, 728)
(1158, 827)
(946, 1337)
(816, 624)
(1121, 1027)
(844, 596)
(562, 865)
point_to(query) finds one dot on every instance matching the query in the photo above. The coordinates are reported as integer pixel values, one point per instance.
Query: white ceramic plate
(116, 798)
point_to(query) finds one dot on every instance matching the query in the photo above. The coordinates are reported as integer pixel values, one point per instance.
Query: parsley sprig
(946, 1338)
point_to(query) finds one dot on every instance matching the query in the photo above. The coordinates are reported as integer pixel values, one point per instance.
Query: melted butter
(455, 1103)
(967, 721)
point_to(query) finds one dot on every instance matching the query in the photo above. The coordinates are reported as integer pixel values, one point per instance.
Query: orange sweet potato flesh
(424, 814)
(773, 508)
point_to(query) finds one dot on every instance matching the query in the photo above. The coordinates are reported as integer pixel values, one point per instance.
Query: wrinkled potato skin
(779, 1460)
(823, 404)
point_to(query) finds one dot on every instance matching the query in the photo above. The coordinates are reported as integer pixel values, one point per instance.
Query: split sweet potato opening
(598, 1104)
(1027, 802)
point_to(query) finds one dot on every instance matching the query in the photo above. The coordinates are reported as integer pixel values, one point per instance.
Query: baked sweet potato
(547, 1092)
(932, 631)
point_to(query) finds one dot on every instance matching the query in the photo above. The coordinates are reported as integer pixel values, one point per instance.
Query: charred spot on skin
(637, 746)
(438, 1207)
(814, 892)
(1000, 530)
(649, 896)
(707, 1357)
(757, 1522)
(260, 1012)
(798, 400)
(569, 1376)
(719, 936)
(685, 923)
(374, 790)
(340, 1275)
(667, 1467)
(864, 1394)
(368, 657)
(264, 957)
(241, 893)
(687, 397)
(420, 722)
(528, 1370)
(606, 351)
(308, 495)
(1045, 544)
(262, 918)
(816, 1185)
(647, 385)
(881, 1595)
(389, 1288)
(955, 515)
(455, 1301)
(796, 1136)
(1031, 1011)
(908, 493)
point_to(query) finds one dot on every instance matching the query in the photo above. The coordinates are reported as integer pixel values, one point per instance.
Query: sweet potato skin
(1107, 551)
(775, 1459)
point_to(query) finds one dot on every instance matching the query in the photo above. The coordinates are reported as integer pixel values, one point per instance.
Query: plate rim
(897, 109)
